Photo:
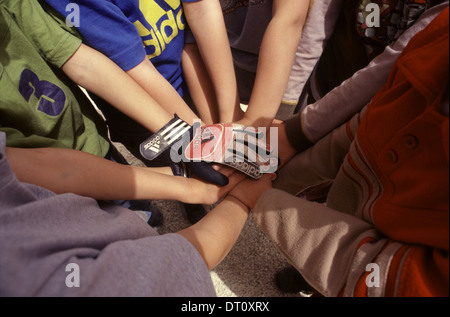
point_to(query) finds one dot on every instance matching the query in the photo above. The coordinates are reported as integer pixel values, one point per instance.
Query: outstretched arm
(71, 171)
(148, 77)
(208, 64)
(215, 235)
(276, 58)
(128, 53)
(95, 72)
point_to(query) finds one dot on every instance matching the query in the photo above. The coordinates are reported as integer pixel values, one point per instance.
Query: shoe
(193, 213)
(289, 280)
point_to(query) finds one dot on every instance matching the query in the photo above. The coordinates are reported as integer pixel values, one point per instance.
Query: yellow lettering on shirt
(156, 38)
(173, 3)
(151, 11)
(143, 32)
(180, 23)
(169, 28)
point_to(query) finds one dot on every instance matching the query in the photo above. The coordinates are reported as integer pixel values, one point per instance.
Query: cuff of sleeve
(64, 50)
(130, 58)
(295, 134)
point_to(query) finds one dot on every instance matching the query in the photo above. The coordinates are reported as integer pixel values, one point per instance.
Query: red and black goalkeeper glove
(169, 136)
(229, 144)
(242, 148)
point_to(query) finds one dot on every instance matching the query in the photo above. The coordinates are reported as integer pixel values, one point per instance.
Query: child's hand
(249, 190)
(202, 192)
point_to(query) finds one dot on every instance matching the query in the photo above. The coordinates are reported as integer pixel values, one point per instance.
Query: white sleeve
(318, 28)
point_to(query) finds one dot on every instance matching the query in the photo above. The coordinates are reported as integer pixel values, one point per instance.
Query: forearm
(276, 58)
(98, 74)
(207, 24)
(148, 77)
(199, 84)
(215, 235)
(71, 171)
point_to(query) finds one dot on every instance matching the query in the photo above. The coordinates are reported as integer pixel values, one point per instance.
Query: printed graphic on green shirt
(51, 98)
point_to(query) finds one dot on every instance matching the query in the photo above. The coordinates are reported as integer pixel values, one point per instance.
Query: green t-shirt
(39, 105)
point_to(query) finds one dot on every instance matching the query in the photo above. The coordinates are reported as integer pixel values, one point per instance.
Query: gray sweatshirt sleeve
(318, 28)
(66, 245)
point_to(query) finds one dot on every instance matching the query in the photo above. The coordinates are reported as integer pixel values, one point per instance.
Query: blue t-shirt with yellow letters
(127, 31)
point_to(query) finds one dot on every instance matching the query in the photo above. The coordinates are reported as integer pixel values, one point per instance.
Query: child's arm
(71, 171)
(127, 52)
(148, 77)
(276, 58)
(211, 65)
(215, 235)
(95, 72)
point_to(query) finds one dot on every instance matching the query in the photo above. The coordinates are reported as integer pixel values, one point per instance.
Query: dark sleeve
(295, 134)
